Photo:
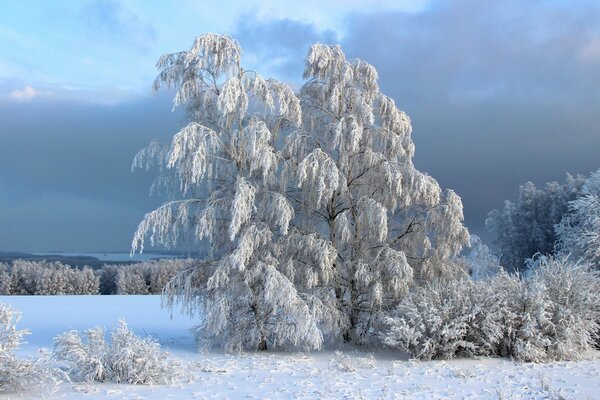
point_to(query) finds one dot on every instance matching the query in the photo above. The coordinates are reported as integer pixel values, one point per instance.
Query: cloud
(116, 19)
(26, 94)
(11, 91)
(65, 180)
(277, 47)
(499, 92)
(590, 53)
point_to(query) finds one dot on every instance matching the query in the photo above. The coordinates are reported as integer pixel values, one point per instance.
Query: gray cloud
(278, 47)
(499, 92)
(64, 172)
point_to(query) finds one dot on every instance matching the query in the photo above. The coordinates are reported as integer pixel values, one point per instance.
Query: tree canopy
(315, 215)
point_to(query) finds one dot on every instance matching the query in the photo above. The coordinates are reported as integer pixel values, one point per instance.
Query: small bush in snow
(15, 374)
(445, 320)
(351, 362)
(551, 315)
(127, 358)
(573, 293)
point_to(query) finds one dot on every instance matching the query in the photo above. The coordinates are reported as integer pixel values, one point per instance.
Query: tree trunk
(262, 345)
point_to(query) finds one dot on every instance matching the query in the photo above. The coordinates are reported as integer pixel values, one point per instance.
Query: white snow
(348, 374)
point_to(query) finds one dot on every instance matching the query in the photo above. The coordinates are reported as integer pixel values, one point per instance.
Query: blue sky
(499, 92)
(110, 46)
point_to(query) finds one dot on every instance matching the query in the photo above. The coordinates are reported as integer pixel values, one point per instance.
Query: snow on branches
(311, 195)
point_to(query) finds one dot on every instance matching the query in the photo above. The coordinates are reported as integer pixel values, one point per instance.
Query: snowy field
(330, 374)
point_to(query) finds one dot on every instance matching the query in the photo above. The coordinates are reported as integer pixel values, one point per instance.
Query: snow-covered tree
(49, 278)
(483, 264)
(130, 280)
(5, 279)
(379, 222)
(579, 231)
(526, 227)
(223, 165)
(316, 217)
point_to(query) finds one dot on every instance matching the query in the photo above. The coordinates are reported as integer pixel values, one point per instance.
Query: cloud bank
(499, 92)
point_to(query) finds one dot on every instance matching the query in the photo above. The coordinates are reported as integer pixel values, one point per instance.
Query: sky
(499, 92)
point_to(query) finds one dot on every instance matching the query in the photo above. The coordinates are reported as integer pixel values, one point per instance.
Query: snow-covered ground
(330, 374)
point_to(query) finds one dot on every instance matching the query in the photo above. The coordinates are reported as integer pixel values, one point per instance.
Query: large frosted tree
(349, 174)
(316, 218)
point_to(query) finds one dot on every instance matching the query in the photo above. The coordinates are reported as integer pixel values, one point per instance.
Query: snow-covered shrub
(140, 360)
(86, 356)
(524, 317)
(573, 293)
(83, 355)
(445, 320)
(16, 374)
(351, 362)
(552, 314)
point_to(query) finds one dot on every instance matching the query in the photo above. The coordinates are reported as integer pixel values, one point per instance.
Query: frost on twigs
(317, 221)
(551, 315)
(18, 374)
(127, 358)
(351, 362)
(578, 234)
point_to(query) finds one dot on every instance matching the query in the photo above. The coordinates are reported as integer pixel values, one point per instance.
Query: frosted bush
(83, 355)
(445, 320)
(351, 362)
(126, 358)
(573, 293)
(16, 374)
(524, 318)
(551, 315)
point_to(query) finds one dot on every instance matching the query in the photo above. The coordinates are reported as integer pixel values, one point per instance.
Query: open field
(331, 374)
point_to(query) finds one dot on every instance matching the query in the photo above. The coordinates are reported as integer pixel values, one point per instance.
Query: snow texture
(317, 220)
(342, 374)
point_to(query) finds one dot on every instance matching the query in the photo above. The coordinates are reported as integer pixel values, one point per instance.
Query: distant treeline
(26, 277)
(80, 261)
